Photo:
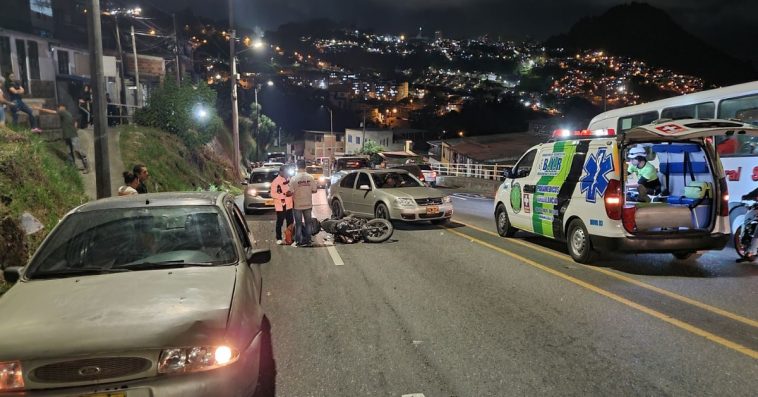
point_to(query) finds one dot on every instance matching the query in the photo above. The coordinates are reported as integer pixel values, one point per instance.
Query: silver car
(389, 194)
(258, 189)
(149, 295)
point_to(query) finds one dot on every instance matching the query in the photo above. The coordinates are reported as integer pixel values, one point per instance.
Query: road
(459, 311)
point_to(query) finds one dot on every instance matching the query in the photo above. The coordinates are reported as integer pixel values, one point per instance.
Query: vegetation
(35, 177)
(173, 166)
(186, 111)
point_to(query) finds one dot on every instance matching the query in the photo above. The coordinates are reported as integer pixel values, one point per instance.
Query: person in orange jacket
(282, 196)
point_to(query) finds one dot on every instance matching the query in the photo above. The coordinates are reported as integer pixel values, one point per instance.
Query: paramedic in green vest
(647, 177)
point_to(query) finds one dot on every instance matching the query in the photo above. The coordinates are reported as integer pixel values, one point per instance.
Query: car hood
(414, 192)
(115, 312)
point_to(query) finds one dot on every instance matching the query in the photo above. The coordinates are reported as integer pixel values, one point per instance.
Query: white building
(355, 139)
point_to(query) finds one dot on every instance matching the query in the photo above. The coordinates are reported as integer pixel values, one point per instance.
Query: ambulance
(578, 188)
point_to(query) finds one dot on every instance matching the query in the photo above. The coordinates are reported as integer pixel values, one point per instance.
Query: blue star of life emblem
(597, 167)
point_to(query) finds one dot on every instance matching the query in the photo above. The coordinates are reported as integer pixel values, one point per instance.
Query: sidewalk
(87, 142)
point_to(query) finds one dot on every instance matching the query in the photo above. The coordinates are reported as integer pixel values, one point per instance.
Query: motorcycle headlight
(11, 376)
(194, 359)
(405, 202)
(447, 199)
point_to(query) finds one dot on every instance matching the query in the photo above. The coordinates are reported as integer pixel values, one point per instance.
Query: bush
(175, 109)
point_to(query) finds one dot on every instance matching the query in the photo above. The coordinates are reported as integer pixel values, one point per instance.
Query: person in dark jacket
(141, 171)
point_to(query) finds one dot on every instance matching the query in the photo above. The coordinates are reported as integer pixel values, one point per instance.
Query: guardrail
(493, 172)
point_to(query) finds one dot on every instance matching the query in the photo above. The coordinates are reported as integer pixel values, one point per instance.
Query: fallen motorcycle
(349, 230)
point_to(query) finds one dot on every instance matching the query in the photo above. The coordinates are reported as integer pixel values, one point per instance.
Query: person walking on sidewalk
(69, 134)
(283, 202)
(131, 182)
(15, 90)
(140, 170)
(85, 107)
(303, 186)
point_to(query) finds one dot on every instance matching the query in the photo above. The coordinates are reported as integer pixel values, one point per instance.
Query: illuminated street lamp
(461, 133)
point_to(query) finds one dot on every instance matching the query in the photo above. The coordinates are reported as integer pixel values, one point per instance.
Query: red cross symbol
(670, 128)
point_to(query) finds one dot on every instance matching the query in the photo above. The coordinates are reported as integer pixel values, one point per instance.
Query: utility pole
(176, 52)
(97, 75)
(235, 111)
(136, 70)
(363, 138)
(122, 96)
(257, 126)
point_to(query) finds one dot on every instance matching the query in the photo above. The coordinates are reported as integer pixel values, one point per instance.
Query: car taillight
(614, 200)
(724, 191)
(627, 218)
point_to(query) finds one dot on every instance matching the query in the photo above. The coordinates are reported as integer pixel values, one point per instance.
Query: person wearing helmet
(646, 173)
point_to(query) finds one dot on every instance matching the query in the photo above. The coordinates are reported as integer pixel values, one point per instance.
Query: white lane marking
(458, 198)
(335, 256)
(413, 395)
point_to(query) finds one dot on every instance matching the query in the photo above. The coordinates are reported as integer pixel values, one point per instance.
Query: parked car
(317, 172)
(150, 295)
(258, 189)
(389, 194)
(343, 165)
(430, 175)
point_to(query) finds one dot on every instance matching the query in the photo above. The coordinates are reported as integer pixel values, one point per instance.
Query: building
(402, 91)
(29, 16)
(356, 138)
(323, 144)
(485, 149)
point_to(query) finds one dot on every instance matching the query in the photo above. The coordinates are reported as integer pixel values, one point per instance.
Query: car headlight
(447, 199)
(405, 202)
(193, 359)
(11, 376)
(322, 179)
(251, 192)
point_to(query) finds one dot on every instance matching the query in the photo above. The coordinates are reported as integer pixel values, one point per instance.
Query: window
(744, 109)
(524, 166)
(5, 55)
(358, 140)
(705, 110)
(21, 53)
(349, 180)
(349, 139)
(629, 122)
(363, 179)
(239, 224)
(389, 180)
(33, 60)
(263, 177)
(63, 67)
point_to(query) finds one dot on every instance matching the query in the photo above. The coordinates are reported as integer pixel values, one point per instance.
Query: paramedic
(647, 177)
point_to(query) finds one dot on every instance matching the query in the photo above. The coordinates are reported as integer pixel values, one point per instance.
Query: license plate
(269, 202)
(432, 210)
(116, 394)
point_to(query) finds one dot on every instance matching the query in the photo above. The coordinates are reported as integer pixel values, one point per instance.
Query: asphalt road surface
(460, 311)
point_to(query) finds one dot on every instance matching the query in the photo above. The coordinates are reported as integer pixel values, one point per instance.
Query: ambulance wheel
(578, 242)
(503, 224)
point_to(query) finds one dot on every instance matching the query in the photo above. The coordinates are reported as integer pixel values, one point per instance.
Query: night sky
(726, 24)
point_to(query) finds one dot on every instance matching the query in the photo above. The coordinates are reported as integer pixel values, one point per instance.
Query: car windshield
(314, 170)
(124, 239)
(390, 180)
(263, 177)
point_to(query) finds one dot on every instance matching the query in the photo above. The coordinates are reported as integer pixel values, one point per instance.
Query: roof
(172, 199)
(400, 154)
(323, 132)
(502, 147)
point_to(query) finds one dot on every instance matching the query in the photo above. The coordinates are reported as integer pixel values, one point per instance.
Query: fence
(493, 172)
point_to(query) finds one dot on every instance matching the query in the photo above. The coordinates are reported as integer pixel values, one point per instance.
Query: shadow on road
(266, 386)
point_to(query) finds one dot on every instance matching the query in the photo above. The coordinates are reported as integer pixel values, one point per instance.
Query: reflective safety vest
(279, 189)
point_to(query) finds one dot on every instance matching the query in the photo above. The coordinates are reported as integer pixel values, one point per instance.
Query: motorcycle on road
(351, 230)
(744, 228)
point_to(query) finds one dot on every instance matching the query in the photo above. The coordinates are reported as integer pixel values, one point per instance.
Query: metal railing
(493, 172)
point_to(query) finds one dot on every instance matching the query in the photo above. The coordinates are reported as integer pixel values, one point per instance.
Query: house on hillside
(485, 149)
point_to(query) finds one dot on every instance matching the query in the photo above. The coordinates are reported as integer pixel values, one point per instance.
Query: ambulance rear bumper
(658, 243)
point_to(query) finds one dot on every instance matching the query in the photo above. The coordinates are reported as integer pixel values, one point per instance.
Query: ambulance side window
(524, 167)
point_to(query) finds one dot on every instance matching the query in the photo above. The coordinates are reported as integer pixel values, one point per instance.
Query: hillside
(647, 33)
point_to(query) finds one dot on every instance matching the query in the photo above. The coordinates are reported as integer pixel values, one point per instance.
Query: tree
(371, 148)
(263, 131)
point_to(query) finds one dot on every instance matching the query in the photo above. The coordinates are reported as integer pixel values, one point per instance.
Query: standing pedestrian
(283, 202)
(69, 134)
(85, 107)
(303, 186)
(140, 170)
(15, 91)
(3, 101)
(131, 182)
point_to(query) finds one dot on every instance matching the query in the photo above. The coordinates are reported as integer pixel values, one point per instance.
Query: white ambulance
(577, 188)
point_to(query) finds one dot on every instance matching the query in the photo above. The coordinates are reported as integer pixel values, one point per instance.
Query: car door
(364, 199)
(521, 188)
(346, 191)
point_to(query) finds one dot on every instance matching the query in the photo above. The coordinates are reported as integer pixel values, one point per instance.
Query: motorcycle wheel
(739, 247)
(378, 230)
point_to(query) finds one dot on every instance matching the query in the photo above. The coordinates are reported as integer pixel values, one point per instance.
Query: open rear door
(686, 129)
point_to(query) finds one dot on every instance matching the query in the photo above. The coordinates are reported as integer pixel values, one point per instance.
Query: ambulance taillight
(614, 200)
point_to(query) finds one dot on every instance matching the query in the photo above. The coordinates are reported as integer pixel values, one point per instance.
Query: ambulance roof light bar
(567, 134)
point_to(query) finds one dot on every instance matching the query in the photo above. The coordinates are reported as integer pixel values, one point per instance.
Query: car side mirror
(12, 274)
(244, 182)
(365, 187)
(508, 173)
(259, 257)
